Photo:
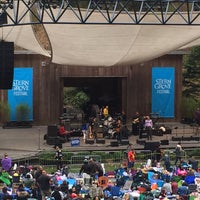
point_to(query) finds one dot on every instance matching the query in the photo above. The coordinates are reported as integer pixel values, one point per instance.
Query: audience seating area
(150, 181)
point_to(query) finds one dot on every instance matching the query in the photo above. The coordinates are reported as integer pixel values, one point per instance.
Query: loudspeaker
(89, 141)
(3, 18)
(140, 141)
(195, 138)
(114, 144)
(52, 131)
(6, 64)
(176, 138)
(100, 141)
(53, 141)
(99, 135)
(164, 142)
(186, 138)
(151, 145)
(124, 142)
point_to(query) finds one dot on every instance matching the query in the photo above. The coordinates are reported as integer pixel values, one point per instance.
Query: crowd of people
(24, 182)
(157, 178)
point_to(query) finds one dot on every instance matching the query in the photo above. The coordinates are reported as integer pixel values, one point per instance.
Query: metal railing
(104, 157)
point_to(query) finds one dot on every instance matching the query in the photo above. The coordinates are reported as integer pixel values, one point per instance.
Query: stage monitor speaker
(100, 141)
(124, 142)
(53, 141)
(140, 141)
(52, 131)
(89, 141)
(164, 142)
(6, 64)
(151, 145)
(114, 144)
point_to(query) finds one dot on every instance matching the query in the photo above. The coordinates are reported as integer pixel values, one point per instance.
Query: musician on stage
(64, 133)
(93, 128)
(137, 123)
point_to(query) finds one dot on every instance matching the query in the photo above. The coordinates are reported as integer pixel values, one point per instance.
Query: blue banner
(163, 91)
(21, 92)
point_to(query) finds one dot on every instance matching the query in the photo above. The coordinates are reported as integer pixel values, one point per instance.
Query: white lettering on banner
(20, 93)
(20, 87)
(162, 86)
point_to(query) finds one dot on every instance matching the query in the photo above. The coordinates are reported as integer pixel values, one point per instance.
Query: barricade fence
(74, 160)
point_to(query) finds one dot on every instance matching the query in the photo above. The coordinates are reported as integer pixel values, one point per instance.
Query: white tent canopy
(105, 45)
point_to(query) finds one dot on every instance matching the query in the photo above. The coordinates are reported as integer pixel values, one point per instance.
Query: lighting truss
(124, 12)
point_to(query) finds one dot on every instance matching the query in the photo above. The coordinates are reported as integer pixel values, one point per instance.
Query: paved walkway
(26, 142)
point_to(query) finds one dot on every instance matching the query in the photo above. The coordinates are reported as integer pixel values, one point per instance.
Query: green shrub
(188, 106)
(22, 112)
(4, 111)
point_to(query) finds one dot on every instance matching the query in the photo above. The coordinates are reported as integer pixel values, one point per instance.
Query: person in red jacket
(63, 132)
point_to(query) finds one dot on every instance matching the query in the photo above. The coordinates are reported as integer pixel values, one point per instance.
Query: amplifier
(114, 144)
(124, 142)
(100, 141)
(89, 141)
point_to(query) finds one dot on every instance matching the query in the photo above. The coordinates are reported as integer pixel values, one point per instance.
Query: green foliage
(195, 152)
(22, 112)
(191, 74)
(75, 97)
(107, 156)
(4, 111)
(50, 155)
(188, 107)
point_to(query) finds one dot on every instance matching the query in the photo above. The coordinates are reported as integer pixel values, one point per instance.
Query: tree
(75, 97)
(191, 74)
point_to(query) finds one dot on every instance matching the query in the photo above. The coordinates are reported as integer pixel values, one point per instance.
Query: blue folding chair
(115, 191)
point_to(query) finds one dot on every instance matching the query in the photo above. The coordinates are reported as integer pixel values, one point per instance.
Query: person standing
(105, 112)
(6, 162)
(131, 159)
(123, 117)
(166, 160)
(59, 157)
(85, 167)
(178, 152)
(197, 116)
(44, 184)
(148, 125)
(93, 128)
(84, 129)
(136, 124)
(118, 130)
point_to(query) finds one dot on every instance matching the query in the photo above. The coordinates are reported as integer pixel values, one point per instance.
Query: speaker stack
(52, 135)
(52, 131)
(152, 146)
(100, 138)
(6, 64)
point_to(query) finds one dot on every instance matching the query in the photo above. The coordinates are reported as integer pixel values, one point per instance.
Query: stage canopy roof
(104, 44)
